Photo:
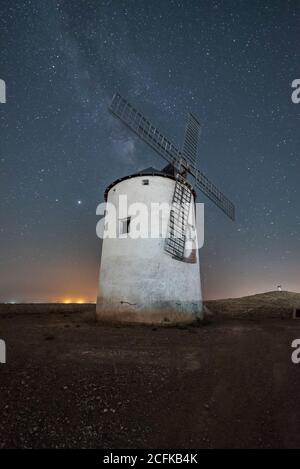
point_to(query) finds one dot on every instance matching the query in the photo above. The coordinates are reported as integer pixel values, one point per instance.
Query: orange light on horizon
(78, 301)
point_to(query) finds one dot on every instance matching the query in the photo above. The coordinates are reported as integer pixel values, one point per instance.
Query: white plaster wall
(139, 281)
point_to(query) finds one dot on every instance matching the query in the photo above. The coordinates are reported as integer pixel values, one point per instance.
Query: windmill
(158, 287)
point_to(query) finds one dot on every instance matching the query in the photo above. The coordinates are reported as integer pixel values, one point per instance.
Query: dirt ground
(69, 382)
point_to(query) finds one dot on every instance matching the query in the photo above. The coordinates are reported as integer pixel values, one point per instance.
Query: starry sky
(231, 63)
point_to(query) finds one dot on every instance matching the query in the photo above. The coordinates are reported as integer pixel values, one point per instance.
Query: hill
(269, 304)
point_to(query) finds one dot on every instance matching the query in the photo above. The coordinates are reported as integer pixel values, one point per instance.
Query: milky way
(229, 62)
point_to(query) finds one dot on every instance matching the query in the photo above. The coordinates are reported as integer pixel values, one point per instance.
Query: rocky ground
(69, 382)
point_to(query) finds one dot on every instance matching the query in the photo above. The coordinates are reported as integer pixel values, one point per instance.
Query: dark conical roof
(147, 170)
(166, 171)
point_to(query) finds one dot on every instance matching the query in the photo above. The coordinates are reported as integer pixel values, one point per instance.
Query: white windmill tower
(155, 281)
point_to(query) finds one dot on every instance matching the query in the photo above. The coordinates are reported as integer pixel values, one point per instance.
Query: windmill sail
(144, 129)
(213, 193)
(190, 144)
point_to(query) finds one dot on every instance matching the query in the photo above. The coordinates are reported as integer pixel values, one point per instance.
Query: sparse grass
(262, 305)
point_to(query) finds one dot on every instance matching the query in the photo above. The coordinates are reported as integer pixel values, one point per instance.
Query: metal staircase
(176, 234)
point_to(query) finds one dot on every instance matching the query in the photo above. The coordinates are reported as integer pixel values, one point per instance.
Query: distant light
(79, 202)
(68, 301)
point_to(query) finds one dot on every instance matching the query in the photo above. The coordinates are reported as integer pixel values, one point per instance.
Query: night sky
(229, 62)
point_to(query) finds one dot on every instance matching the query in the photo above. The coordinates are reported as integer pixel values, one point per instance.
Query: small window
(297, 313)
(145, 182)
(125, 226)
